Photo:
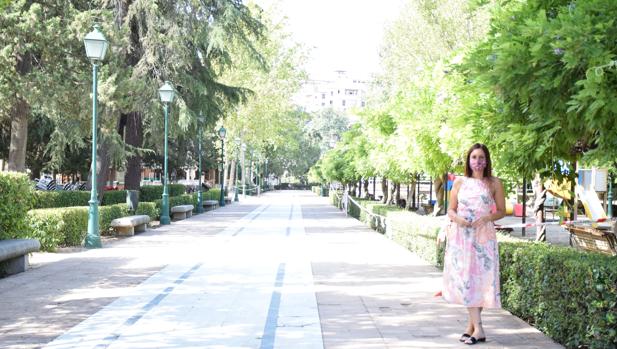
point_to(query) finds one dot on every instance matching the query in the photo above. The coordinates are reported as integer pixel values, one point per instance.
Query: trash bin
(132, 199)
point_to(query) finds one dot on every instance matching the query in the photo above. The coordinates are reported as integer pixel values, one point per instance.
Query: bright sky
(341, 34)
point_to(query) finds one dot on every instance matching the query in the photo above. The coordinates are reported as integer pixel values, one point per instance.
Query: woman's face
(477, 160)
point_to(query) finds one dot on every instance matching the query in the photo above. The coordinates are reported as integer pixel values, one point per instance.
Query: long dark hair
(488, 170)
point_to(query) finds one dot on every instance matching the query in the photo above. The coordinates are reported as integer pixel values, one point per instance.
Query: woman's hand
(481, 221)
(462, 222)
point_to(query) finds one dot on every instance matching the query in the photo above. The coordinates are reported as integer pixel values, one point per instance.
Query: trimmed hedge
(58, 227)
(67, 226)
(61, 198)
(186, 199)
(112, 197)
(149, 209)
(569, 295)
(152, 193)
(16, 198)
(108, 214)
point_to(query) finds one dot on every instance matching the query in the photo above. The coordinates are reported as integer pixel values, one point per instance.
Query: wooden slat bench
(181, 212)
(593, 239)
(127, 226)
(14, 254)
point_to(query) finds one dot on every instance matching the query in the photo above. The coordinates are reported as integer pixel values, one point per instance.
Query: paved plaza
(285, 270)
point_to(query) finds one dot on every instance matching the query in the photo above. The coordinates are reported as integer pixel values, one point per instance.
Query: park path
(285, 270)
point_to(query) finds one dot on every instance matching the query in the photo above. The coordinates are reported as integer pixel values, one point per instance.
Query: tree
(41, 59)
(549, 67)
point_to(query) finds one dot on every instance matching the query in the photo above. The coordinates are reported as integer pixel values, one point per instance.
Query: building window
(363, 103)
(331, 102)
(323, 96)
(343, 102)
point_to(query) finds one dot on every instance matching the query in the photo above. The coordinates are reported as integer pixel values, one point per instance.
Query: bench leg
(14, 265)
(141, 228)
(125, 231)
(189, 214)
(178, 216)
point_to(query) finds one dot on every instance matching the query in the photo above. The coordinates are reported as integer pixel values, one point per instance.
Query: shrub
(108, 214)
(569, 295)
(186, 199)
(16, 198)
(61, 198)
(56, 227)
(152, 193)
(67, 226)
(112, 197)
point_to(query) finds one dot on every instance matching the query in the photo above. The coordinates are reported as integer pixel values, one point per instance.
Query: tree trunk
(384, 190)
(102, 166)
(398, 193)
(232, 175)
(538, 207)
(438, 185)
(133, 135)
(410, 194)
(391, 191)
(19, 136)
(19, 120)
(365, 184)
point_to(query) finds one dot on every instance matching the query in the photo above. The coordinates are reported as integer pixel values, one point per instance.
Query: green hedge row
(67, 226)
(16, 198)
(69, 198)
(152, 193)
(569, 295)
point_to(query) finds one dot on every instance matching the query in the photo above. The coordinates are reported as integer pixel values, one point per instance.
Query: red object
(518, 210)
(438, 294)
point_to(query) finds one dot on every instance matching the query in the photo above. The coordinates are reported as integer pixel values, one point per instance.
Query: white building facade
(342, 93)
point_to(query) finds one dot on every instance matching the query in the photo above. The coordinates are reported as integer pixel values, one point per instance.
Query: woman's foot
(467, 333)
(477, 336)
(473, 340)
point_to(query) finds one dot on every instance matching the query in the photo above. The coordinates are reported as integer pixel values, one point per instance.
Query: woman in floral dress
(471, 265)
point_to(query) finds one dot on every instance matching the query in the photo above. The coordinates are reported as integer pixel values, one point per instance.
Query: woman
(471, 264)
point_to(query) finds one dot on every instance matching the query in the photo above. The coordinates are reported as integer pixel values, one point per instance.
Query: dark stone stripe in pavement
(107, 341)
(267, 340)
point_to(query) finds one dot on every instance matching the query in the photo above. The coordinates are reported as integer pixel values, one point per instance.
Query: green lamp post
(266, 186)
(167, 94)
(222, 133)
(243, 172)
(96, 46)
(237, 172)
(610, 197)
(200, 203)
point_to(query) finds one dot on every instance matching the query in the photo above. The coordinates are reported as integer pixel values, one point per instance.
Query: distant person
(471, 263)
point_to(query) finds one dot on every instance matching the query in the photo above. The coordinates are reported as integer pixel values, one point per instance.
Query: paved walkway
(285, 270)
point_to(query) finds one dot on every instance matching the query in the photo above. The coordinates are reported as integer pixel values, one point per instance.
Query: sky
(340, 34)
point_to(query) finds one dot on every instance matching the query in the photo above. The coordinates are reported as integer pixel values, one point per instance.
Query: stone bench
(210, 204)
(181, 212)
(127, 226)
(14, 254)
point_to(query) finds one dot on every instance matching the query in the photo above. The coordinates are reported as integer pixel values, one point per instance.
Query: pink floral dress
(471, 263)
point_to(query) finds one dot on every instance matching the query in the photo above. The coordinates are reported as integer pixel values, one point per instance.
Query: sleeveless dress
(471, 262)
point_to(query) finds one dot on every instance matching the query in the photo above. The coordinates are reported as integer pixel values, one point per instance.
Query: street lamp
(200, 205)
(243, 172)
(96, 46)
(266, 177)
(237, 172)
(222, 133)
(167, 94)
